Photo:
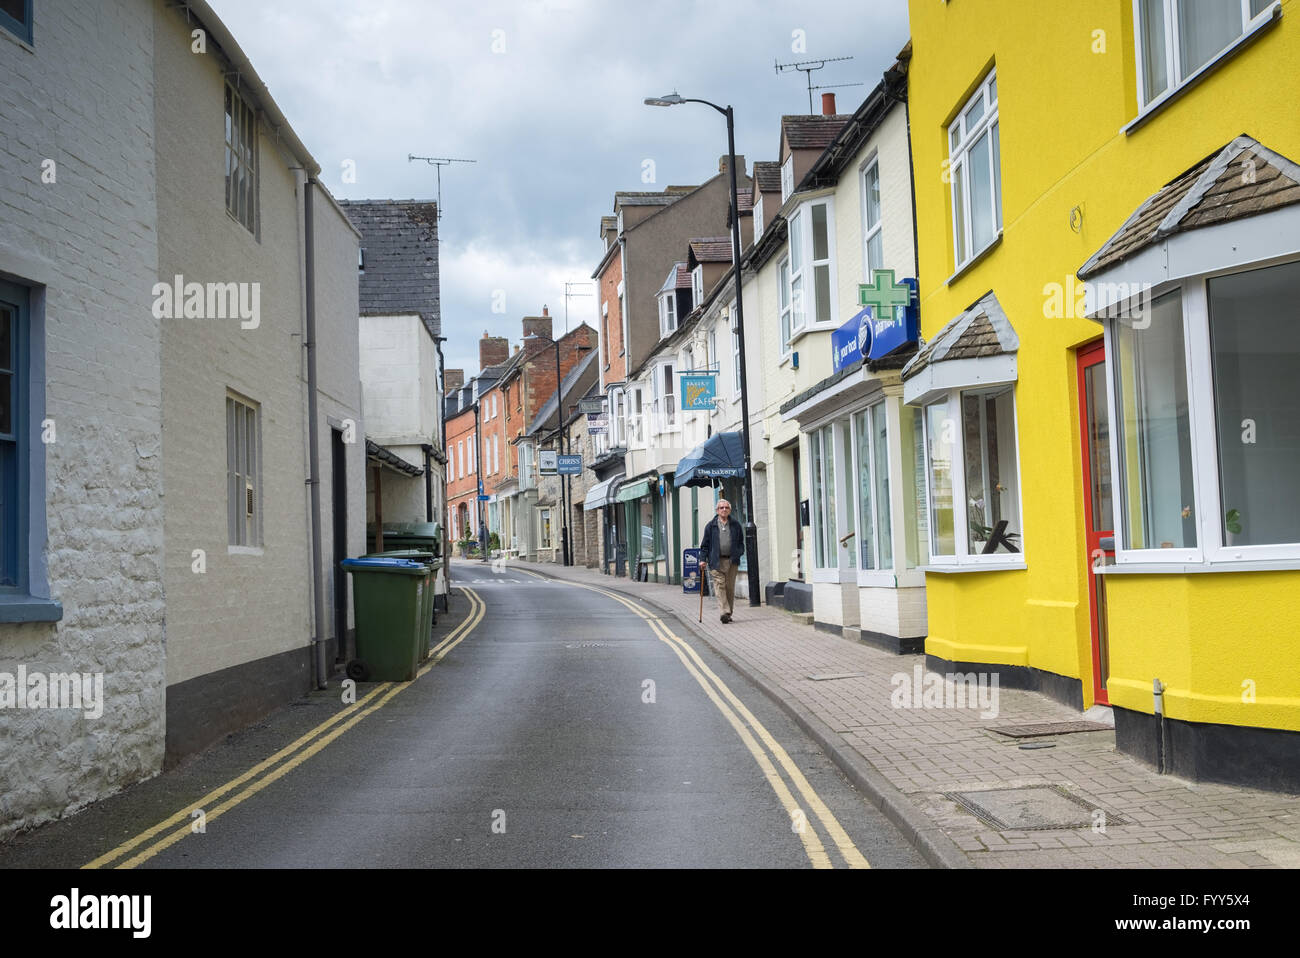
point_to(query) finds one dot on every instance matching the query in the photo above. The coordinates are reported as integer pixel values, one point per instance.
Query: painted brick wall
(244, 607)
(89, 240)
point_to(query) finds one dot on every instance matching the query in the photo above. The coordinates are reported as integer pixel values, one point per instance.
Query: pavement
(907, 761)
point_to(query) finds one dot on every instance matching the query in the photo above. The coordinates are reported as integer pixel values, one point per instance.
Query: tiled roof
(745, 199)
(645, 199)
(714, 249)
(982, 330)
(400, 243)
(811, 132)
(767, 174)
(678, 278)
(1242, 179)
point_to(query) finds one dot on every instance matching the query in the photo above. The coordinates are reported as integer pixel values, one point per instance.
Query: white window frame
(963, 560)
(246, 473)
(663, 384)
(825, 568)
(735, 351)
(667, 313)
(1175, 81)
(787, 178)
(802, 321)
(758, 211)
(460, 452)
(697, 286)
(870, 232)
(854, 490)
(784, 305)
(1211, 551)
(711, 359)
(963, 229)
(242, 192)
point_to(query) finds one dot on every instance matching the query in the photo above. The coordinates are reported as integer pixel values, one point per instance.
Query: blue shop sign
(867, 337)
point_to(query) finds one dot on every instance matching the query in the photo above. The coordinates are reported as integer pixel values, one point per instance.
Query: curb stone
(929, 839)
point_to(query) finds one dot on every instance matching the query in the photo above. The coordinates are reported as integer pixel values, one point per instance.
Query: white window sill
(974, 565)
(245, 550)
(1266, 20)
(803, 331)
(976, 259)
(1184, 568)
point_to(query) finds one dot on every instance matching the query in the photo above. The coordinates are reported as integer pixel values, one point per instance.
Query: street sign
(546, 462)
(569, 465)
(698, 391)
(483, 498)
(591, 407)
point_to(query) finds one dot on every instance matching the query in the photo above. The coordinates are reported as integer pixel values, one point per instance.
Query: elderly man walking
(722, 546)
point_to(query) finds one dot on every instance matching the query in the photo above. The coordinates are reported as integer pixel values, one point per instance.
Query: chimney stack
(828, 104)
(740, 165)
(538, 325)
(492, 350)
(453, 379)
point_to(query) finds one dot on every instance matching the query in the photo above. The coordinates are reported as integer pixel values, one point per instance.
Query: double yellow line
(285, 760)
(735, 711)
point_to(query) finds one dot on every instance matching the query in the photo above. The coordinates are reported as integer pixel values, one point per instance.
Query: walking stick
(701, 600)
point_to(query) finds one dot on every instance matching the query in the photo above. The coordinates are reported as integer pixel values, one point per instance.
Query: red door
(1098, 511)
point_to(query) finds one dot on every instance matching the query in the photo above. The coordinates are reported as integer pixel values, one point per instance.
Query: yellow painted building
(1100, 139)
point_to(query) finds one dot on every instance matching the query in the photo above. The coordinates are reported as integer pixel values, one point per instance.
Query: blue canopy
(721, 456)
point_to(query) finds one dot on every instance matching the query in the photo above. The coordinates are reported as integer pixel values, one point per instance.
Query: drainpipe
(442, 444)
(313, 442)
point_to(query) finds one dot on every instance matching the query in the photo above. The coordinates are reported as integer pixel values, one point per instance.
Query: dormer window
(697, 286)
(667, 312)
(758, 213)
(787, 178)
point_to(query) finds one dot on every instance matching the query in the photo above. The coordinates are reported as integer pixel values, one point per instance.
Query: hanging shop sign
(591, 407)
(546, 464)
(698, 391)
(568, 465)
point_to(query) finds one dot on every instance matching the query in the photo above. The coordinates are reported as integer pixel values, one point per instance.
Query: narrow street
(537, 741)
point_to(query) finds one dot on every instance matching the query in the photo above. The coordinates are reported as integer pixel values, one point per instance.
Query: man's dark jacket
(709, 544)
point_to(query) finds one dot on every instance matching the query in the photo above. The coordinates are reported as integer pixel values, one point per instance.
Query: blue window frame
(15, 305)
(16, 17)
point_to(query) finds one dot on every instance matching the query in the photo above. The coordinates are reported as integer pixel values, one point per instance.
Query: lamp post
(751, 530)
(564, 445)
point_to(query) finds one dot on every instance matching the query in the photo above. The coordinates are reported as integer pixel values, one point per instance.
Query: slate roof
(400, 243)
(767, 174)
(811, 132)
(712, 249)
(1242, 179)
(981, 330)
(378, 454)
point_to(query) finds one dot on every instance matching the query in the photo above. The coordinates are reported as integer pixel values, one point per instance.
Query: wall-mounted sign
(546, 464)
(890, 318)
(591, 407)
(568, 465)
(698, 391)
(597, 424)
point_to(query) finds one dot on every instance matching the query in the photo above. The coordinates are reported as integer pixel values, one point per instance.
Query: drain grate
(1050, 728)
(1032, 808)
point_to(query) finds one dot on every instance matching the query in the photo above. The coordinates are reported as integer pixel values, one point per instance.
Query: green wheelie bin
(427, 616)
(388, 594)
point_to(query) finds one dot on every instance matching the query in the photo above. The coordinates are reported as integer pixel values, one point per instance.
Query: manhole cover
(1032, 808)
(828, 676)
(1050, 728)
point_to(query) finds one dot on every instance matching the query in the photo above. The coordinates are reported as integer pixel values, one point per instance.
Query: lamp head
(672, 99)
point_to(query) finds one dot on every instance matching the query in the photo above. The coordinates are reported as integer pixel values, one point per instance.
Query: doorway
(1098, 510)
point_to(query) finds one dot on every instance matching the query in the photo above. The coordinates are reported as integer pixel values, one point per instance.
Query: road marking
(843, 843)
(387, 690)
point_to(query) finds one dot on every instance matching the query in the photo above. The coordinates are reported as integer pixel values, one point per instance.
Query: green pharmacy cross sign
(883, 293)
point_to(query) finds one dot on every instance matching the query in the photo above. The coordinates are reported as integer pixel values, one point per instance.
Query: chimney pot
(828, 104)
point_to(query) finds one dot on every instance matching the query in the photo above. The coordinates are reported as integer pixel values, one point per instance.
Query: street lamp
(564, 440)
(751, 530)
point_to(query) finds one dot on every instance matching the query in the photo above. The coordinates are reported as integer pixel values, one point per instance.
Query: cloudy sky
(546, 96)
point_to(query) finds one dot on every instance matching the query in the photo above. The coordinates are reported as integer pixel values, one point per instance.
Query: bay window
(974, 510)
(975, 168)
(1207, 441)
(808, 280)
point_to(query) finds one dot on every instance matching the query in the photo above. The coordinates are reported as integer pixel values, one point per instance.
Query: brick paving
(1153, 820)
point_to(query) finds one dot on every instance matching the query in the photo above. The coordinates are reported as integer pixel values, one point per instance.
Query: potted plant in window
(1232, 525)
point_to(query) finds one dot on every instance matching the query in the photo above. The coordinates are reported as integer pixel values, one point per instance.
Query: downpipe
(313, 442)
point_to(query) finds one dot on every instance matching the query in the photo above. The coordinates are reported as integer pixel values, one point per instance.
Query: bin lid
(382, 564)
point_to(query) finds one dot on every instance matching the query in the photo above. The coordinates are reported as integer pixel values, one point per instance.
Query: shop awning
(721, 456)
(602, 493)
(633, 491)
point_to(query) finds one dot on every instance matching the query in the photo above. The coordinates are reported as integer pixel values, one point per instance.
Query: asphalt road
(563, 729)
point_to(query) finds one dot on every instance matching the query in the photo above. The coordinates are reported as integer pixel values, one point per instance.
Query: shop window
(974, 511)
(871, 449)
(823, 497)
(1155, 449)
(546, 541)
